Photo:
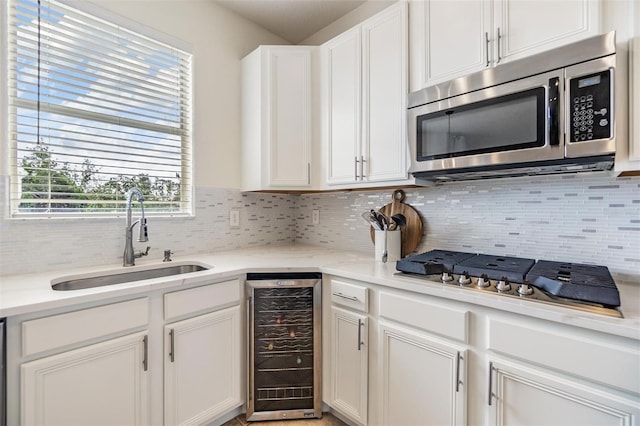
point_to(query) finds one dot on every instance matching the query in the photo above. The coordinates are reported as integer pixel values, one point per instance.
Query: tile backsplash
(590, 218)
(582, 218)
(34, 245)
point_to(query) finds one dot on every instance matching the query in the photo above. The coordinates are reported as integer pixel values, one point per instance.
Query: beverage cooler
(284, 347)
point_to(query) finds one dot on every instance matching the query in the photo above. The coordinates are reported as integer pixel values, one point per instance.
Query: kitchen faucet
(129, 256)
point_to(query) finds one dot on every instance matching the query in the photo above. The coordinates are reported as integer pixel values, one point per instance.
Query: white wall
(219, 39)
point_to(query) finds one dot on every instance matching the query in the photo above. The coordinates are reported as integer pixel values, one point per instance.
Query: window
(94, 109)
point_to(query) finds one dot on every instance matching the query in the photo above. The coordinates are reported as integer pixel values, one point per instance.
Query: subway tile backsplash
(588, 218)
(34, 245)
(583, 218)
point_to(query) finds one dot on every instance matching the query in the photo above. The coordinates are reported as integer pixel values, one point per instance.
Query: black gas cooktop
(586, 287)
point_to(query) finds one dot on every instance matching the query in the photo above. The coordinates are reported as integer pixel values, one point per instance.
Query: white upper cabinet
(276, 118)
(448, 39)
(452, 39)
(365, 87)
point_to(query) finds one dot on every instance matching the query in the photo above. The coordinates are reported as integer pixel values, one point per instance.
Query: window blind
(94, 109)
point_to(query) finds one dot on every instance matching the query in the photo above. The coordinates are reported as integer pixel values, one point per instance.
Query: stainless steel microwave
(549, 113)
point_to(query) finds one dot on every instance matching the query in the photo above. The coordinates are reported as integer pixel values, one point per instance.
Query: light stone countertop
(29, 293)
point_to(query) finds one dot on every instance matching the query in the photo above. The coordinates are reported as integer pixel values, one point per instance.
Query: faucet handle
(142, 253)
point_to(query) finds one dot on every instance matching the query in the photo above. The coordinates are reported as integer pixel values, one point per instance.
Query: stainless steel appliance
(586, 287)
(284, 318)
(553, 112)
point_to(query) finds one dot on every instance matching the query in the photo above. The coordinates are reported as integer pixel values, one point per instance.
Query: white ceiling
(293, 20)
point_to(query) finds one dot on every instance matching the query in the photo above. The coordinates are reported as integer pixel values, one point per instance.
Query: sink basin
(125, 277)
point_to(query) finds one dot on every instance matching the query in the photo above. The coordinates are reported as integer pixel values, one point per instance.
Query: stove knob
(464, 279)
(446, 277)
(483, 281)
(503, 284)
(525, 290)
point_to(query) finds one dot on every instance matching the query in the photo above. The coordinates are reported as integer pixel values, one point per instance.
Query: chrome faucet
(128, 259)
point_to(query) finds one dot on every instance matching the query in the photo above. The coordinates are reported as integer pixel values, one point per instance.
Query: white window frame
(9, 161)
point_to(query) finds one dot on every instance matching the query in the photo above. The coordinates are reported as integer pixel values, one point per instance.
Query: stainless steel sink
(125, 277)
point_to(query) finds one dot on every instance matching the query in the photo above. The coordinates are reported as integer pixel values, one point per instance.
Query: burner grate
(431, 262)
(588, 283)
(496, 267)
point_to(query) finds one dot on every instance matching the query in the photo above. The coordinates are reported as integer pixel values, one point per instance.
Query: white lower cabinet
(101, 384)
(522, 395)
(349, 364)
(423, 380)
(106, 364)
(202, 367)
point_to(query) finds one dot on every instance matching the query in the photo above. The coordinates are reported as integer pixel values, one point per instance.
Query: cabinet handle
(171, 347)
(486, 46)
(356, 166)
(362, 161)
(308, 173)
(145, 346)
(360, 325)
(458, 357)
(490, 380)
(499, 38)
(344, 296)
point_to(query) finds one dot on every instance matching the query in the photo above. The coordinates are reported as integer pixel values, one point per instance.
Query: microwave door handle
(554, 111)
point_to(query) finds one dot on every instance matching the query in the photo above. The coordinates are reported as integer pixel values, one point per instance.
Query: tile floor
(326, 420)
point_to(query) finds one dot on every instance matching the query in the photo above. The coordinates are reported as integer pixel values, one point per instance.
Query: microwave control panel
(590, 108)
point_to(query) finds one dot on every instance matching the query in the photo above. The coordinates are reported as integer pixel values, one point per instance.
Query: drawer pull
(344, 296)
(172, 348)
(490, 380)
(458, 357)
(145, 349)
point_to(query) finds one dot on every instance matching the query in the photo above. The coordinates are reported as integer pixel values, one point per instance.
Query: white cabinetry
(628, 155)
(364, 101)
(423, 378)
(349, 364)
(107, 364)
(202, 377)
(528, 396)
(105, 383)
(202, 370)
(577, 377)
(100, 383)
(452, 39)
(276, 118)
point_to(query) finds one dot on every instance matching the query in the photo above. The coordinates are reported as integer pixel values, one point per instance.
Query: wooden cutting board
(412, 232)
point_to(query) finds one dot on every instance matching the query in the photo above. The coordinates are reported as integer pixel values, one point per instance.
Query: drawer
(351, 295)
(56, 331)
(425, 315)
(199, 299)
(567, 351)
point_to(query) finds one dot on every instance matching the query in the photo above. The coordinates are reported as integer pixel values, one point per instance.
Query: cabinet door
(525, 396)
(423, 380)
(342, 58)
(532, 26)
(384, 71)
(289, 124)
(202, 367)
(449, 39)
(349, 364)
(101, 384)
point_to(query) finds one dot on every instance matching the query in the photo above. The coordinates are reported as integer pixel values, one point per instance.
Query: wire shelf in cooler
(285, 393)
(275, 292)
